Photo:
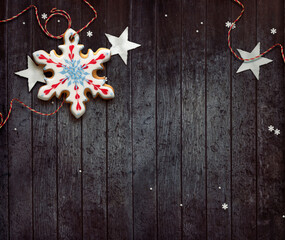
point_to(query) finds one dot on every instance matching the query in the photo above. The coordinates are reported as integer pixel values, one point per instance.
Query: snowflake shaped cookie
(74, 73)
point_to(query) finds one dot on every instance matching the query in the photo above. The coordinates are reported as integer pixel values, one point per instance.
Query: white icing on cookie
(74, 73)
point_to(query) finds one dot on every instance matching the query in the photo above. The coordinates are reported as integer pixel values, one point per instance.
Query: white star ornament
(34, 73)
(253, 65)
(121, 45)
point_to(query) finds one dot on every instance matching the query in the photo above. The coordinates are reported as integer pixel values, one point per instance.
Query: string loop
(54, 12)
(256, 57)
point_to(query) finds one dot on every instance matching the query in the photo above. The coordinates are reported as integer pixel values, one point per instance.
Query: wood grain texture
(183, 123)
(244, 129)
(44, 145)
(19, 126)
(69, 141)
(218, 122)
(94, 141)
(144, 119)
(120, 200)
(4, 170)
(193, 120)
(169, 119)
(270, 109)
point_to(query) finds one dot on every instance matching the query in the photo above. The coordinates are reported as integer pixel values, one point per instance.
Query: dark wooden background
(183, 123)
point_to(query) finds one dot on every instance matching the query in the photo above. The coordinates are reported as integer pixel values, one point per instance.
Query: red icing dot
(96, 87)
(102, 56)
(78, 107)
(50, 61)
(55, 85)
(71, 47)
(104, 91)
(46, 92)
(93, 61)
(42, 57)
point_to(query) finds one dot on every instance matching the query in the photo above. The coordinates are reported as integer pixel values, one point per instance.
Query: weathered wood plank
(19, 125)
(120, 205)
(244, 129)
(94, 138)
(69, 153)
(144, 122)
(44, 144)
(4, 172)
(169, 119)
(193, 119)
(270, 108)
(218, 122)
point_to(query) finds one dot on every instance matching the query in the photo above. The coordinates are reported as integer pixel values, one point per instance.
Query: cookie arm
(41, 57)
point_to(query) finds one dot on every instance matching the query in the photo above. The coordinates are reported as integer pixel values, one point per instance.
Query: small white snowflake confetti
(229, 24)
(24, 23)
(89, 34)
(58, 21)
(271, 128)
(283, 216)
(202, 23)
(220, 188)
(44, 16)
(181, 205)
(150, 189)
(80, 170)
(197, 31)
(15, 129)
(225, 206)
(165, 15)
(273, 31)
(277, 132)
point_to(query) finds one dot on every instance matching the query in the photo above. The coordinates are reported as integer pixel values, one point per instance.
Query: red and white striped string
(3, 122)
(258, 56)
(63, 13)
(54, 12)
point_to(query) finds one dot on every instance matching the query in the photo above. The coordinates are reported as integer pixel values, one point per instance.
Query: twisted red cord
(3, 122)
(54, 12)
(260, 55)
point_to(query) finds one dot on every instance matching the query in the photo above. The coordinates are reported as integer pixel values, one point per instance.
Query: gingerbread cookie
(74, 73)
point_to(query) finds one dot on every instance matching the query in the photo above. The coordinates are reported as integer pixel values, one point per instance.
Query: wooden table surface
(184, 134)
